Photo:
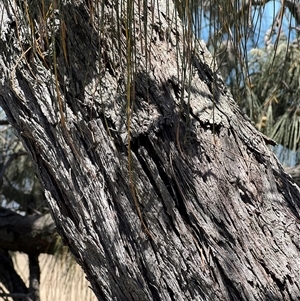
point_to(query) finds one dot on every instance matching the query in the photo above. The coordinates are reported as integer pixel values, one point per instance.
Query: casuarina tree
(157, 182)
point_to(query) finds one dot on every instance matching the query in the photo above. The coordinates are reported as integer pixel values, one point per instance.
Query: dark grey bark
(223, 215)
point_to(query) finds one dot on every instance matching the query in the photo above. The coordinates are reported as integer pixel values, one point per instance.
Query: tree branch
(4, 122)
(34, 277)
(32, 234)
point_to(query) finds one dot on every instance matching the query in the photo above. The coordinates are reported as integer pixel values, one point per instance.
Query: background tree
(22, 226)
(274, 94)
(157, 182)
(26, 226)
(258, 57)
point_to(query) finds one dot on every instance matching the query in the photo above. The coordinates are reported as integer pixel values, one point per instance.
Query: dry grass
(62, 279)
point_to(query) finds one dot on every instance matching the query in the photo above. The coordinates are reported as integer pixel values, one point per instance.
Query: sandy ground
(61, 278)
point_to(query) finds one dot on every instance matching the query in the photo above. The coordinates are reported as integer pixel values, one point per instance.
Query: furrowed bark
(222, 213)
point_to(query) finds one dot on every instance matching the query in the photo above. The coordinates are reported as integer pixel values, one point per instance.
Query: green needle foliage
(273, 93)
(260, 63)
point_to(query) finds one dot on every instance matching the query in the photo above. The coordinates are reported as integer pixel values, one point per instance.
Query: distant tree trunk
(158, 183)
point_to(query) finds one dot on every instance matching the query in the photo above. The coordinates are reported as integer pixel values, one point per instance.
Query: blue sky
(262, 18)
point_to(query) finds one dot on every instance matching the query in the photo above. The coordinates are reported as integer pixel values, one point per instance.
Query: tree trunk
(160, 186)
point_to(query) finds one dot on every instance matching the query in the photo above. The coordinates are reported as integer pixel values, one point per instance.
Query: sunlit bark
(158, 183)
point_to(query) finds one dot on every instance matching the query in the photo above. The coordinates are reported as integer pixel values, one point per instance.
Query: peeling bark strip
(221, 210)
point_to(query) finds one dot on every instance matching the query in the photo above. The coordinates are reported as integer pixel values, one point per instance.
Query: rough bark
(222, 213)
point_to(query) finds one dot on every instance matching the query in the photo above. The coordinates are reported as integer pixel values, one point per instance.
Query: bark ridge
(223, 214)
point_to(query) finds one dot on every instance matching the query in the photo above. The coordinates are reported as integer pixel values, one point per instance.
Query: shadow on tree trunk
(131, 133)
